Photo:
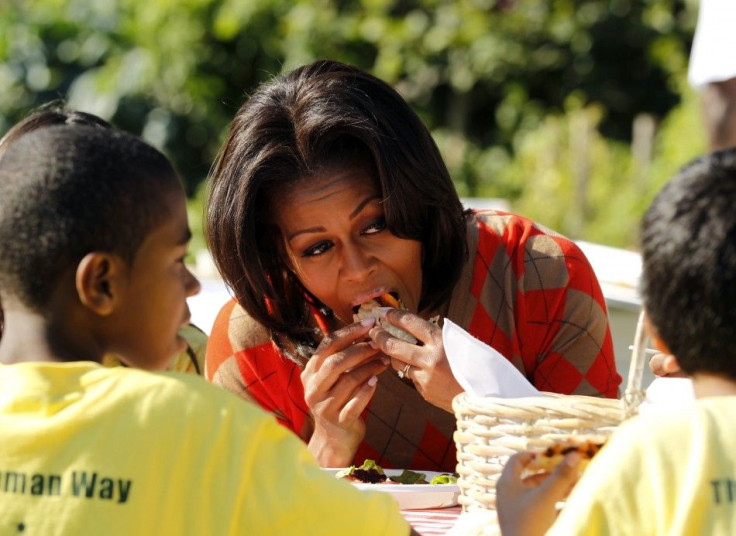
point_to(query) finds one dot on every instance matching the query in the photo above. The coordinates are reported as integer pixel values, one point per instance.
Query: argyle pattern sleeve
(241, 358)
(531, 294)
(402, 429)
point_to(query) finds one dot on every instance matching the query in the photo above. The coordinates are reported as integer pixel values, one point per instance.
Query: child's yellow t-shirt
(89, 450)
(660, 474)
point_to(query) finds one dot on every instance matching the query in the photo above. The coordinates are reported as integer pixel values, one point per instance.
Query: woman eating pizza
(328, 193)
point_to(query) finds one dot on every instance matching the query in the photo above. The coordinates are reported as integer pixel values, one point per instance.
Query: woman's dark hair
(689, 264)
(316, 118)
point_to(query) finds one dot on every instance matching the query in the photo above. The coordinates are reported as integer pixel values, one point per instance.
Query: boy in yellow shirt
(94, 232)
(663, 473)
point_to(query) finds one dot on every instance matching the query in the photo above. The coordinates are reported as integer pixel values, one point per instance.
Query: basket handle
(634, 394)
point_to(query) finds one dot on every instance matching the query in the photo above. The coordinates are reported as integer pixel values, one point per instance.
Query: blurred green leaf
(502, 84)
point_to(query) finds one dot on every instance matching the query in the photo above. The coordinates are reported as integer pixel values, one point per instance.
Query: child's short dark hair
(53, 113)
(68, 190)
(689, 264)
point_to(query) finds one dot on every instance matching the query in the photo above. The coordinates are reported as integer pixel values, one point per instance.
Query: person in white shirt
(712, 70)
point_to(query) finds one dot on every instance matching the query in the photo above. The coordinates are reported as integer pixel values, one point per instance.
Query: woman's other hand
(339, 380)
(429, 368)
(526, 506)
(665, 365)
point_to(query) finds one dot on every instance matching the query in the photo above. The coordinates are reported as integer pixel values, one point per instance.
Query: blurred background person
(712, 70)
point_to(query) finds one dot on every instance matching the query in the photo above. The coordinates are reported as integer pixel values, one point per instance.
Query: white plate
(415, 496)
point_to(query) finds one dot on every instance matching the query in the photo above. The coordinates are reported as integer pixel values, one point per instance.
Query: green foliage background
(533, 101)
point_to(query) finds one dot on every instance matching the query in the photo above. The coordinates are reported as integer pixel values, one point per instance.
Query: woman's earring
(321, 307)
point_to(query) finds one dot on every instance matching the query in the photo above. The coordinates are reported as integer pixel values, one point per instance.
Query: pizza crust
(548, 459)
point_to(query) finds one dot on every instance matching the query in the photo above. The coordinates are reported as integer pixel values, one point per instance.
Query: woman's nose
(357, 264)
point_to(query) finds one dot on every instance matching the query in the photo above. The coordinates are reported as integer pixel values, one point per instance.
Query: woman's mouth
(384, 299)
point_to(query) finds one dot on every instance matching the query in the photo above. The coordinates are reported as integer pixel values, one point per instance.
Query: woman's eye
(317, 249)
(375, 227)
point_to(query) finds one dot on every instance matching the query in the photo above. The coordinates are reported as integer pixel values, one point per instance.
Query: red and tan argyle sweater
(526, 291)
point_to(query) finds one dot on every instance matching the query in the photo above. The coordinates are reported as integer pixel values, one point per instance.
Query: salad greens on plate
(371, 472)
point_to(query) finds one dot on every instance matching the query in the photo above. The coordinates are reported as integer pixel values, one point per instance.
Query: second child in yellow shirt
(670, 473)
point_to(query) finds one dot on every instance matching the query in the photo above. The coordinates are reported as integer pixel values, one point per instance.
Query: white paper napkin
(479, 369)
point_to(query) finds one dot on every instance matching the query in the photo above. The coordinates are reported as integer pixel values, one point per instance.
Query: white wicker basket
(490, 429)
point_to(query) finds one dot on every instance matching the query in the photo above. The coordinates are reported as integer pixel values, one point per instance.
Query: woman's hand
(665, 365)
(526, 506)
(339, 381)
(429, 368)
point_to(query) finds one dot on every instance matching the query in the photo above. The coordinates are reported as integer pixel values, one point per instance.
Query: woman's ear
(98, 281)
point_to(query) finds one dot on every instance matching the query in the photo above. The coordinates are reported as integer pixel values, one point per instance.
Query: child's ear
(98, 281)
(663, 363)
(656, 342)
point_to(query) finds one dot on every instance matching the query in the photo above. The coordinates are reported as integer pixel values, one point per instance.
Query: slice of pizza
(548, 459)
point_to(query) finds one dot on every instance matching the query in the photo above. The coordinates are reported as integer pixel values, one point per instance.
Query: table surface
(453, 522)
(434, 521)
